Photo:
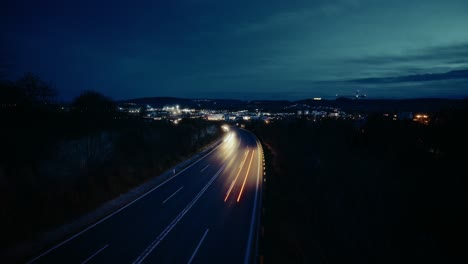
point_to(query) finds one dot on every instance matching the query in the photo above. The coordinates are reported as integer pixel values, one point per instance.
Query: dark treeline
(386, 192)
(58, 162)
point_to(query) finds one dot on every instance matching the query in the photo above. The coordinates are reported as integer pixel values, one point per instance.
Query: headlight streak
(229, 147)
(228, 137)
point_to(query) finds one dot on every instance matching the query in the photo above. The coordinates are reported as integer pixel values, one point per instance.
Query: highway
(206, 213)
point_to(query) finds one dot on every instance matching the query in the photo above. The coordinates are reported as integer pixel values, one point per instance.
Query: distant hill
(379, 105)
(160, 101)
(184, 102)
(346, 104)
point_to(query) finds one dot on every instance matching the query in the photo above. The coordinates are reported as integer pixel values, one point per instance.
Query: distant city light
(421, 118)
(175, 112)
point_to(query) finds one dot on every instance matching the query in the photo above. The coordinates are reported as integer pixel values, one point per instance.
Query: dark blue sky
(240, 49)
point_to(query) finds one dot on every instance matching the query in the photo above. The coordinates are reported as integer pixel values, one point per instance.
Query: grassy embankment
(57, 164)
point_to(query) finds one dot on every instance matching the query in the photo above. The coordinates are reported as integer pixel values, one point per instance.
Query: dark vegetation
(57, 162)
(386, 192)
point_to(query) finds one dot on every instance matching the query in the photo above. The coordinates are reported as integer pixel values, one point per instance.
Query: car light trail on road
(246, 175)
(228, 137)
(238, 173)
(229, 147)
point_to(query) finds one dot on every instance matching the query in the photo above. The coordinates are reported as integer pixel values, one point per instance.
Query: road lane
(201, 189)
(229, 222)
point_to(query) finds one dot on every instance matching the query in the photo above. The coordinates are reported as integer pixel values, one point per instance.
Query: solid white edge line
(198, 246)
(172, 195)
(93, 255)
(254, 209)
(127, 205)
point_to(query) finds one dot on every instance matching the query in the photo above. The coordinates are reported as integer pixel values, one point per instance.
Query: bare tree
(36, 89)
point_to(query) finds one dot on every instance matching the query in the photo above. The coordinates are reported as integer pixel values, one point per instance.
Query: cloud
(293, 18)
(439, 53)
(451, 84)
(436, 59)
(334, 8)
(452, 75)
(274, 21)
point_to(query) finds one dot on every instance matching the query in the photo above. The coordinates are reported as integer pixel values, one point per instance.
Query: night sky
(240, 49)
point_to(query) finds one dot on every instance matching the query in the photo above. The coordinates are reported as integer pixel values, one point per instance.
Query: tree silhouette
(35, 89)
(91, 102)
(5, 66)
(9, 94)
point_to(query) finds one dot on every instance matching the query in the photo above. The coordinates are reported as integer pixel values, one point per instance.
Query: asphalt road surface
(206, 213)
